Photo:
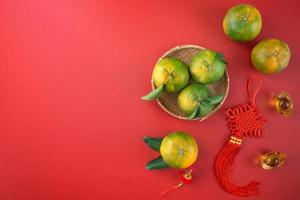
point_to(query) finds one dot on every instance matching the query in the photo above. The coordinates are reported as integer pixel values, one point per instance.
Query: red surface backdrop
(71, 77)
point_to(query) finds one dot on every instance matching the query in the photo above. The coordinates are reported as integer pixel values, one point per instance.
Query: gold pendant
(284, 104)
(272, 160)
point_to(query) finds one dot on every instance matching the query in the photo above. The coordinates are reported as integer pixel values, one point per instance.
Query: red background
(72, 74)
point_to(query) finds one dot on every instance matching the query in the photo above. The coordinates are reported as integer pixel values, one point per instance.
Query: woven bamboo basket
(168, 101)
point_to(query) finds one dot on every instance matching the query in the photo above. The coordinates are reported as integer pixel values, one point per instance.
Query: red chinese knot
(243, 121)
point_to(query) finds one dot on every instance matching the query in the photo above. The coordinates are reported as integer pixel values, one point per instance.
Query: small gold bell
(272, 160)
(284, 104)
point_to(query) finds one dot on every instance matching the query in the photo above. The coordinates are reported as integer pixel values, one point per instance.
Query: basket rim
(181, 117)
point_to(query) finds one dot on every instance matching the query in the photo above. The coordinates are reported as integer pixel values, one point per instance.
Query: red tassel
(170, 189)
(185, 178)
(243, 121)
(224, 164)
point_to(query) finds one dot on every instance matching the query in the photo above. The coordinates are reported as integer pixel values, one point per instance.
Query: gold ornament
(272, 160)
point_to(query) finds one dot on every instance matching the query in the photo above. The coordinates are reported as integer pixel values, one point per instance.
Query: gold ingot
(284, 104)
(272, 160)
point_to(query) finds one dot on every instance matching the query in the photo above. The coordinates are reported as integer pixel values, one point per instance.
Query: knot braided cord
(246, 120)
(243, 121)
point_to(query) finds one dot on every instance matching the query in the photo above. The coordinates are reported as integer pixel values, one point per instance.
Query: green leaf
(157, 163)
(153, 143)
(220, 56)
(215, 99)
(195, 113)
(205, 102)
(154, 93)
(206, 107)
